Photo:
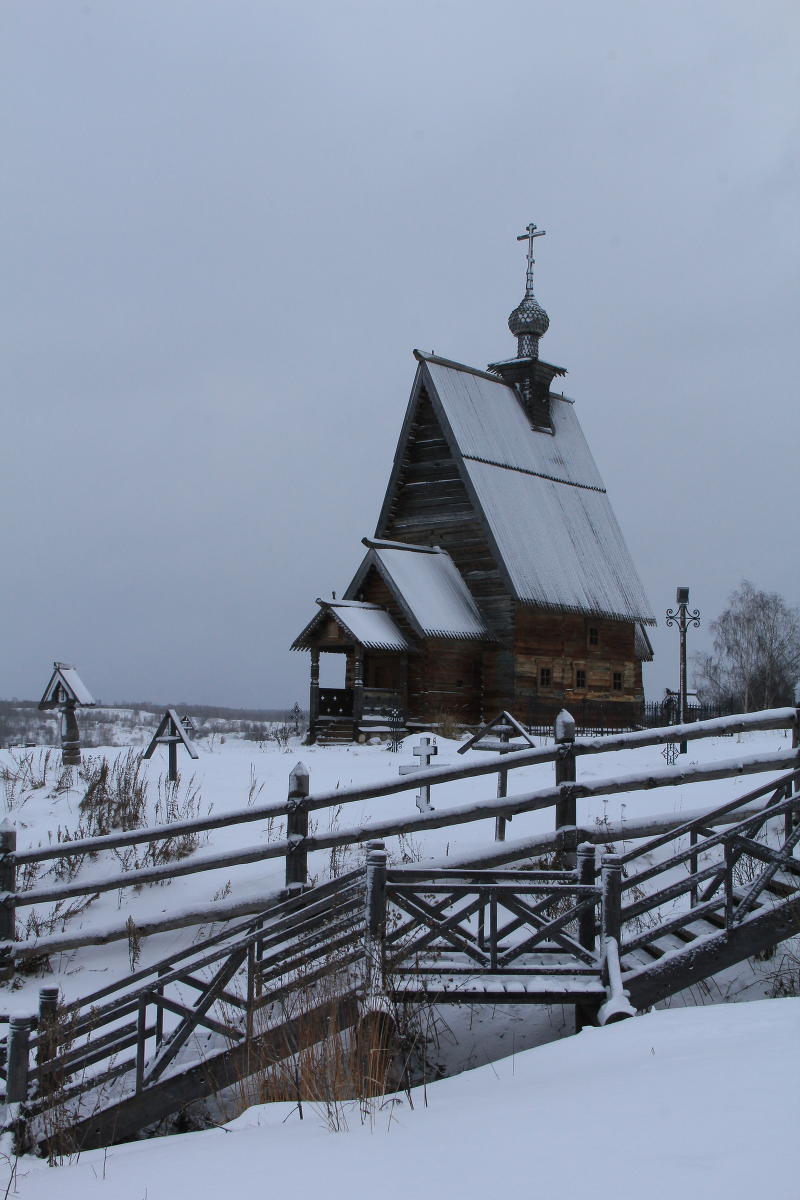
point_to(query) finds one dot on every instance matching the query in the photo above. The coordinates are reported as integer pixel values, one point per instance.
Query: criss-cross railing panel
(250, 965)
(438, 925)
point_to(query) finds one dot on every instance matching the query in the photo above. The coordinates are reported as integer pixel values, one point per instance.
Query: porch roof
(427, 586)
(368, 624)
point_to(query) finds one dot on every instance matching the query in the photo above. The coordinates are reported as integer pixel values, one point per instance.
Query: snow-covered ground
(236, 773)
(687, 1103)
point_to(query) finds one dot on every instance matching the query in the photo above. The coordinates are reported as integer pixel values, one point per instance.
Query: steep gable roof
(538, 495)
(427, 586)
(368, 624)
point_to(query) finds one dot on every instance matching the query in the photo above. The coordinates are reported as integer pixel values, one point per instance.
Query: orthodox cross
(531, 232)
(172, 732)
(425, 750)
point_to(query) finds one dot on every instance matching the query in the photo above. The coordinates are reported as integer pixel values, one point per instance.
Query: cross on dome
(529, 321)
(531, 231)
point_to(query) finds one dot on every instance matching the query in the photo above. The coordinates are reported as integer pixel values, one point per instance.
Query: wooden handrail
(391, 826)
(777, 718)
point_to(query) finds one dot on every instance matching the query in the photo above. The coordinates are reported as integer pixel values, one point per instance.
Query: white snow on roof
(542, 498)
(561, 545)
(71, 682)
(431, 589)
(370, 625)
(490, 424)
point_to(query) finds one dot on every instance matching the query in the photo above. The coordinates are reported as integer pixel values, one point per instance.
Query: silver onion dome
(528, 322)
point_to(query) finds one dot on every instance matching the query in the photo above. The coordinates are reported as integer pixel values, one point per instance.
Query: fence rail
(300, 802)
(592, 935)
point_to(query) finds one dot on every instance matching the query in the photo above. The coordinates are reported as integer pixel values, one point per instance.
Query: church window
(617, 682)
(544, 677)
(594, 636)
(580, 678)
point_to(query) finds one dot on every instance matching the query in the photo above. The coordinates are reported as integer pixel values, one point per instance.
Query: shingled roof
(538, 494)
(368, 624)
(427, 586)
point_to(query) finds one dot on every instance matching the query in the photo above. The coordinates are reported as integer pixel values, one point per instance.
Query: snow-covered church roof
(368, 624)
(427, 586)
(538, 494)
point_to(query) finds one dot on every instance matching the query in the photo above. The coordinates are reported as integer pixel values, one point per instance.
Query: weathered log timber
(498, 577)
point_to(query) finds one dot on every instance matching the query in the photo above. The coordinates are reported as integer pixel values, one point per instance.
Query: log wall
(563, 644)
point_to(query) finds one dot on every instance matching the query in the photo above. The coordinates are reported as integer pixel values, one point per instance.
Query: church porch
(372, 699)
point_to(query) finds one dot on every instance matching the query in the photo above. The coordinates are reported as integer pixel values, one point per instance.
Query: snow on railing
(300, 801)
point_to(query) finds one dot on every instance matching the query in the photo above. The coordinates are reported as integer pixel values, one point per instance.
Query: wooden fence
(300, 802)
(610, 937)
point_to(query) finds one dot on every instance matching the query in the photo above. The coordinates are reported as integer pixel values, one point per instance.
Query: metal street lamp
(683, 617)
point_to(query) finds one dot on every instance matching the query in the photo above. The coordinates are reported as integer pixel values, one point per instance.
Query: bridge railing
(717, 875)
(83, 1049)
(301, 802)
(463, 923)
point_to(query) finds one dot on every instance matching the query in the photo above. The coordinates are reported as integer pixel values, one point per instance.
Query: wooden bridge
(613, 935)
(609, 935)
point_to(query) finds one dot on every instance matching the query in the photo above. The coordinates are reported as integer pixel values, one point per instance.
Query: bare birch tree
(756, 658)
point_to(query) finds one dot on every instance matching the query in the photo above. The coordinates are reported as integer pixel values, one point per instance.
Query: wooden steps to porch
(335, 731)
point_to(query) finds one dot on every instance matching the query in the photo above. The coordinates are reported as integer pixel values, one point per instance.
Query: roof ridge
(348, 603)
(492, 462)
(386, 544)
(422, 356)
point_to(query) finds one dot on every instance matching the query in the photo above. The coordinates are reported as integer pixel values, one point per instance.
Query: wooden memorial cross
(425, 750)
(504, 726)
(67, 691)
(172, 733)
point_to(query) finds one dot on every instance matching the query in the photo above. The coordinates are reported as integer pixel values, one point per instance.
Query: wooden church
(498, 577)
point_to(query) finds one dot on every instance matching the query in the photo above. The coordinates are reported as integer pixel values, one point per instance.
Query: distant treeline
(130, 722)
(183, 706)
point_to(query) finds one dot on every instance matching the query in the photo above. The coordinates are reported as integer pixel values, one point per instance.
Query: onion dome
(528, 322)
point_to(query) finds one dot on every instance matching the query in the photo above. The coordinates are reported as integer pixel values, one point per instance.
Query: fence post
(611, 883)
(19, 1034)
(585, 872)
(375, 920)
(566, 808)
(297, 826)
(728, 885)
(376, 891)
(586, 1012)
(47, 1041)
(8, 888)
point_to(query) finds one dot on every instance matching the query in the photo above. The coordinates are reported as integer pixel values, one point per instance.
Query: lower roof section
(369, 625)
(427, 586)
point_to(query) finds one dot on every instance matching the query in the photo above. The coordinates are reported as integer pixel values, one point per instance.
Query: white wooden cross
(425, 750)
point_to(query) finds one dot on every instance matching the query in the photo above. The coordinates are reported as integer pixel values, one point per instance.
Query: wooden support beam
(297, 827)
(8, 888)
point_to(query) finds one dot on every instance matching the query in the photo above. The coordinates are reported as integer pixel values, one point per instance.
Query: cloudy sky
(225, 227)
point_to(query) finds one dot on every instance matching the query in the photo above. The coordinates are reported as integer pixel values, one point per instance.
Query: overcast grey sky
(226, 225)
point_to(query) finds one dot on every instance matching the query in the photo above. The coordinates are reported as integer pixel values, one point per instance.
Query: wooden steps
(335, 731)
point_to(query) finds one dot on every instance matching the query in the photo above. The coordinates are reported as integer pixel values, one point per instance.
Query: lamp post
(683, 617)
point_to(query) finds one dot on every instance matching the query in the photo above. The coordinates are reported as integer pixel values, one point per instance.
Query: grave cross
(425, 750)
